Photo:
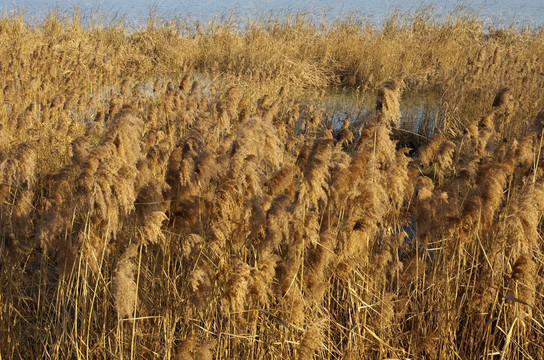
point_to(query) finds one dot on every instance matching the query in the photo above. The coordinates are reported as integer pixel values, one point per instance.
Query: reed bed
(182, 192)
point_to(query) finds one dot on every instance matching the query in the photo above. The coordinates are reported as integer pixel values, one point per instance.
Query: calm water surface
(517, 12)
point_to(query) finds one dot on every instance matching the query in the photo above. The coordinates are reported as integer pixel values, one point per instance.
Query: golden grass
(184, 193)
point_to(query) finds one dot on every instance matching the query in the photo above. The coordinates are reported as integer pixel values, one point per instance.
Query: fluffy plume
(316, 172)
(150, 210)
(124, 283)
(312, 341)
(524, 276)
(107, 182)
(236, 290)
(428, 152)
(59, 208)
(258, 138)
(492, 181)
(261, 280)
(387, 101)
(18, 182)
(504, 96)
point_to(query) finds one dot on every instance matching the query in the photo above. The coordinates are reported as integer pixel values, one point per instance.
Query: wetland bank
(282, 189)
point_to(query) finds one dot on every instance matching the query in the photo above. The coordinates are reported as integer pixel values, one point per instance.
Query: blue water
(498, 12)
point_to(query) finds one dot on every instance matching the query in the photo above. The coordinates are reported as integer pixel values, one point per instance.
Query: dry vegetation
(180, 192)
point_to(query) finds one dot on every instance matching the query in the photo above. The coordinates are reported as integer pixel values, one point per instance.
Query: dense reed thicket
(180, 192)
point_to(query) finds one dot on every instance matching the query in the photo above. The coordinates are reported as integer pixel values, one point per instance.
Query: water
(420, 113)
(498, 12)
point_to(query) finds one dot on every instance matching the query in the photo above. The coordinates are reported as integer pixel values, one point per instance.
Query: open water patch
(420, 113)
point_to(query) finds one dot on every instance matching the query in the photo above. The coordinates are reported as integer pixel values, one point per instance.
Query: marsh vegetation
(184, 191)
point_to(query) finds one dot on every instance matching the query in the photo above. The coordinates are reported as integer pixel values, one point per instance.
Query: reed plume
(387, 101)
(18, 182)
(236, 290)
(315, 172)
(312, 340)
(59, 208)
(124, 283)
(524, 276)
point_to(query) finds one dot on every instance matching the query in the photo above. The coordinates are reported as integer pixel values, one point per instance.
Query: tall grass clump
(186, 192)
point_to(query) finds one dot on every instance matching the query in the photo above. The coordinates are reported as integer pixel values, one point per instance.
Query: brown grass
(181, 193)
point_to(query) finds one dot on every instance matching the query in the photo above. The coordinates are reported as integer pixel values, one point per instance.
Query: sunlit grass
(273, 189)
